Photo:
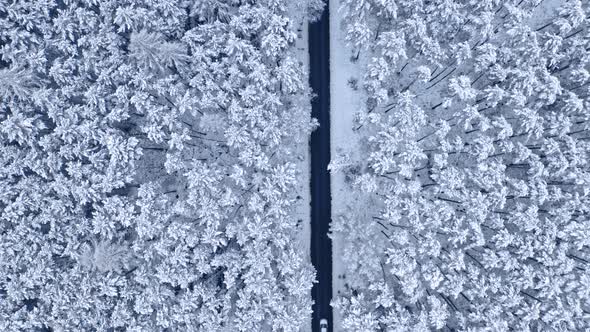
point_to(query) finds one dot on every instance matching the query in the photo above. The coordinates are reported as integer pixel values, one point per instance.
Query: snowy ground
(345, 101)
(303, 190)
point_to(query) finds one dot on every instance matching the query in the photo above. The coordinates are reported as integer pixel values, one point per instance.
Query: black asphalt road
(321, 245)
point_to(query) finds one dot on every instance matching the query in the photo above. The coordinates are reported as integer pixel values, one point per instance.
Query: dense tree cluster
(147, 165)
(476, 175)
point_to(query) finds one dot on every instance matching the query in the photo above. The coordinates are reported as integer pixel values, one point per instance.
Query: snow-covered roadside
(345, 102)
(303, 165)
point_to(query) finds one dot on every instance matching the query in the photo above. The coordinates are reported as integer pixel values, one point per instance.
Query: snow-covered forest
(152, 160)
(148, 154)
(473, 169)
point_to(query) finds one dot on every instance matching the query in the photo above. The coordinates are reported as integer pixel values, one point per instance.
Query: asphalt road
(321, 245)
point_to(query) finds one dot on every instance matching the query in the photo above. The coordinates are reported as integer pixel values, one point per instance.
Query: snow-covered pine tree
(147, 170)
(479, 192)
